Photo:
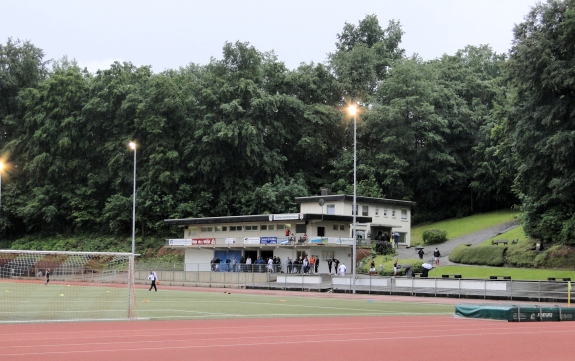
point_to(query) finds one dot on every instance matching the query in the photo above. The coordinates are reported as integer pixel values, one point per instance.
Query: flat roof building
(322, 231)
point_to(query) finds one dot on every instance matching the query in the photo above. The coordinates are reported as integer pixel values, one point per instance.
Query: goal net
(66, 286)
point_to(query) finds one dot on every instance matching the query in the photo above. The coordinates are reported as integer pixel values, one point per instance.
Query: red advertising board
(203, 241)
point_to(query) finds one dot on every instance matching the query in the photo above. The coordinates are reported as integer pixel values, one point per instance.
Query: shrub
(557, 257)
(521, 254)
(434, 236)
(489, 256)
(383, 247)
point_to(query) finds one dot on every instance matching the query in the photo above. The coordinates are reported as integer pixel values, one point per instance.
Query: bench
(500, 277)
(504, 241)
(552, 279)
(449, 276)
(515, 241)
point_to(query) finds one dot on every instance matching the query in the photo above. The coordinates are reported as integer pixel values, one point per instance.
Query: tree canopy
(467, 132)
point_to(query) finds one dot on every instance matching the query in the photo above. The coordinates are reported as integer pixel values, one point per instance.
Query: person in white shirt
(270, 265)
(342, 269)
(249, 264)
(152, 277)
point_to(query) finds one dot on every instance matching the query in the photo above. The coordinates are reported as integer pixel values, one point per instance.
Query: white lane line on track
(236, 338)
(298, 342)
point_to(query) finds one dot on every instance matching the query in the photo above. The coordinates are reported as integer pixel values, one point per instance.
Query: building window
(264, 227)
(279, 227)
(404, 214)
(365, 211)
(342, 227)
(219, 228)
(236, 228)
(335, 227)
(331, 209)
(251, 228)
(385, 212)
(393, 214)
(206, 229)
(377, 212)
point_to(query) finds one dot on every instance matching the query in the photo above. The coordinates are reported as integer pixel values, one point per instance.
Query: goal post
(66, 286)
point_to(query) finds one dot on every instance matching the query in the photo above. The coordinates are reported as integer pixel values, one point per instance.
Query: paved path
(447, 247)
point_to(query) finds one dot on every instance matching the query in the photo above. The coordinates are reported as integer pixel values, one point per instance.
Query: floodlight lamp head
(352, 110)
(132, 145)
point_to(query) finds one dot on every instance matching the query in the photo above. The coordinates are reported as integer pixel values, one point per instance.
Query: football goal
(66, 286)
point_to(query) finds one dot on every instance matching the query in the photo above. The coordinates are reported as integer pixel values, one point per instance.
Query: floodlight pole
(1, 168)
(353, 111)
(132, 258)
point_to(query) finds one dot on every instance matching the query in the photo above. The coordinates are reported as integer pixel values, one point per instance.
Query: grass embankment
(521, 254)
(458, 227)
(515, 273)
(150, 249)
(518, 260)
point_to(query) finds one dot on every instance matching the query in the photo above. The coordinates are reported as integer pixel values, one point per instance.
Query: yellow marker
(569, 294)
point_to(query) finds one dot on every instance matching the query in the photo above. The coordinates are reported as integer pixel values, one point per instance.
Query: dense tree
(542, 122)
(364, 54)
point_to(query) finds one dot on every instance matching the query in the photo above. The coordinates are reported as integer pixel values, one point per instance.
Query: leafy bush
(383, 247)
(434, 236)
(521, 254)
(489, 256)
(558, 257)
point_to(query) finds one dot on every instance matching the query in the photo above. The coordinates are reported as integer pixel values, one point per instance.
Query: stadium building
(323, 228)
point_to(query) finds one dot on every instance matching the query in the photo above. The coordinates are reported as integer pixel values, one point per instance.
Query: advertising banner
(200, 241)
(338, 240)
(180, 242)
(252, 240)
(268, 240)
(230, 241)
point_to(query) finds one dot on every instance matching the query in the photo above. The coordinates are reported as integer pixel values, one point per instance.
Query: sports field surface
(218, 324)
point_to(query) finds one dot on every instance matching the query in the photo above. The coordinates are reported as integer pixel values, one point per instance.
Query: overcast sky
(168, 34)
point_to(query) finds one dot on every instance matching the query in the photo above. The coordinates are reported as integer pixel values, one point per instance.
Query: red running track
(343, 338)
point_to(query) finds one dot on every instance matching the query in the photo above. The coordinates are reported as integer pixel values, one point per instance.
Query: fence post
(539, 284)
(511, 283)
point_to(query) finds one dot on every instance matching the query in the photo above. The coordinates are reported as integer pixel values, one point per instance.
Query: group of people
(302, 265)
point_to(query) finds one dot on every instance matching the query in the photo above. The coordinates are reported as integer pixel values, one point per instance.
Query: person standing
(312, 264)
(395, 268)
(342, 269)
(372, 268)
(420, 253)
(329, 263)
(234, 264)
(152, 277)
(47, 277)
(436, 255)
(316, 264)
(228, 264)
(336, 262)
(249, 264)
